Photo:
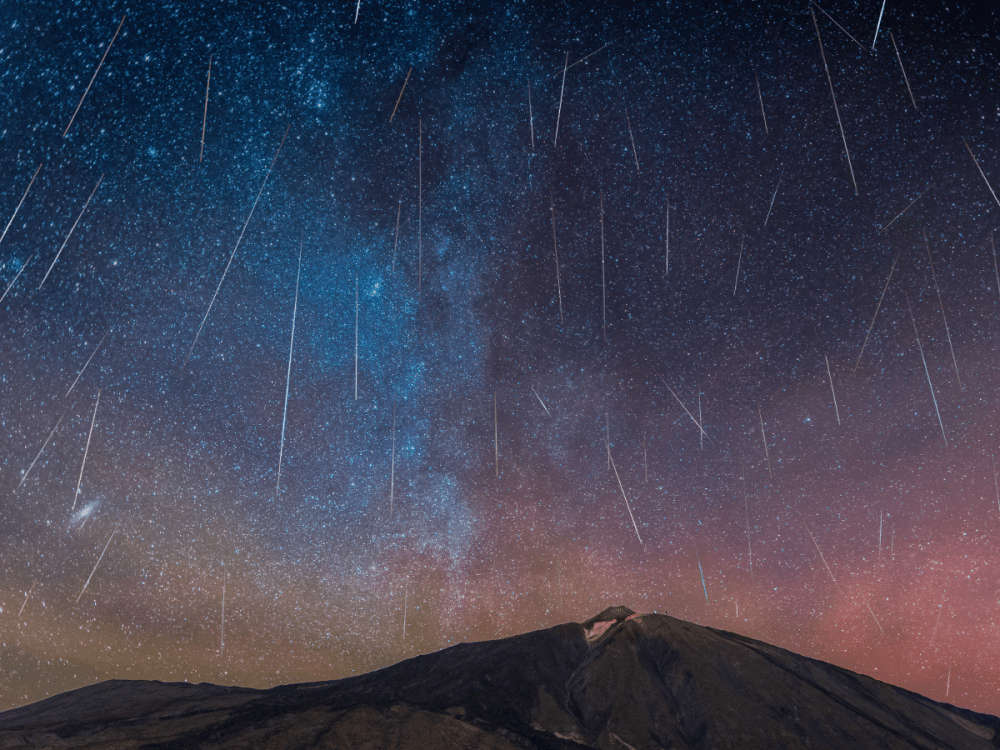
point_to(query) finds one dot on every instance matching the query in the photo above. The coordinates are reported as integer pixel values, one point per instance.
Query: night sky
(538, 247)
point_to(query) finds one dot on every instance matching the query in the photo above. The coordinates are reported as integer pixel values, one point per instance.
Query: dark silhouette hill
(617, 681)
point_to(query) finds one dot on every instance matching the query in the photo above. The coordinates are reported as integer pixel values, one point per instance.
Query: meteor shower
(332, 334)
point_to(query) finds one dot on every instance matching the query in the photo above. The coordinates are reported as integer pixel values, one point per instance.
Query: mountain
(617, 681)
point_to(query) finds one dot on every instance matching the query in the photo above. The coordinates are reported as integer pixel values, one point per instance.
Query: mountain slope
(618, 680)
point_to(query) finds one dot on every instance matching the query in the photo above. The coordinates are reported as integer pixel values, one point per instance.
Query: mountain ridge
(616, 680)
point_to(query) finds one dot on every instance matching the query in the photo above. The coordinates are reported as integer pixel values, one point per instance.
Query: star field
(542, 249)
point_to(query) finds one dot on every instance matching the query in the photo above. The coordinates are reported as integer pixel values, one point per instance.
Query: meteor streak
(98, 561)
(356, 326)
(926, 371)
(80, 216)
(840, 27)
(540, 401)
(555, 142)
(760, 96)
(701, 572)
(401, 94)
(829, 375)
(821, 554)
(666, 257)
(773, 197)
(996, 484)
(682, 404)
(878, 25)
(235, 248)
(204, 117)
(739, 262)
(555, 245)
(767, 455)
(406, 583)
(875, 316)
(87, 91)
(904, 71)
(26, 596)
(701, 420)
(834, 97)
(873, 615)
(42, 450)
(937, 289)
(976, 162)
(531, 118)
(996, 270)
(222, 622)
(86, 450)
(626, 498)
(25, 195)
(634, 154)
(288, 374)
(16, 277)
(908, 207)
(587, 57)
(80, 374)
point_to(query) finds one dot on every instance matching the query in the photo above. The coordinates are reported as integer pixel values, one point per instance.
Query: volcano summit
(619, 680)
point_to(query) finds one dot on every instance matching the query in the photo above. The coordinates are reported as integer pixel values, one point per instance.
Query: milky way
(514, 335)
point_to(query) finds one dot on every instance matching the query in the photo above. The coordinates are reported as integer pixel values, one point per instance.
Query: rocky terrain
(619, 680)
